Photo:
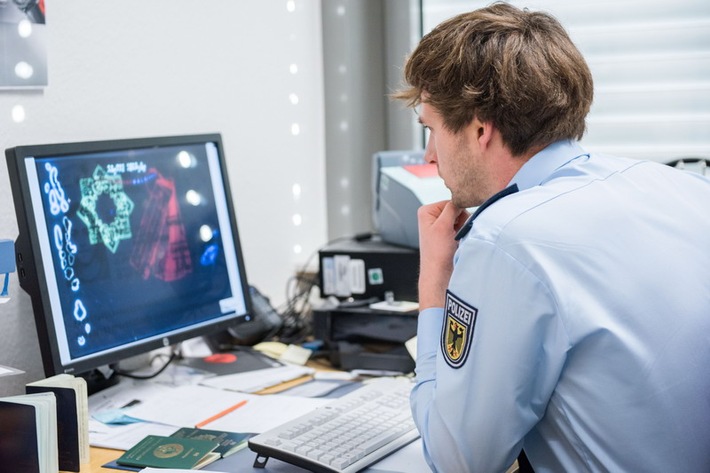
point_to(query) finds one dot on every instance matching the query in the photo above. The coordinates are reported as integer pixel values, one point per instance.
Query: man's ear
(482, 132)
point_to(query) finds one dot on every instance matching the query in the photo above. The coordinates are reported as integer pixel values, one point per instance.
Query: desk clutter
(202, 413)
(186, 448)
(150, 421)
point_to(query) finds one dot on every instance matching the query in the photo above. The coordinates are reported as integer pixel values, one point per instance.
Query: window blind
(650, 60)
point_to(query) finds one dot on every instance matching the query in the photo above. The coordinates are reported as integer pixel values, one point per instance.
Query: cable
(173, 355)
(297, 311)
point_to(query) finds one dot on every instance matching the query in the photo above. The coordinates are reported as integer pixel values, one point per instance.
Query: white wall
(134, 68)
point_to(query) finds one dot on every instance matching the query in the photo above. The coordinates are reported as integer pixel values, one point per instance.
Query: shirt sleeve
(473, 416)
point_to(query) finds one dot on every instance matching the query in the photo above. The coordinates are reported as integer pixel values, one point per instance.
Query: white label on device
(342, 275)
(328, 276)
(357, 276)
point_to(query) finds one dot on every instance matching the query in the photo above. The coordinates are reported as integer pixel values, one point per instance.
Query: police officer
(569, 316)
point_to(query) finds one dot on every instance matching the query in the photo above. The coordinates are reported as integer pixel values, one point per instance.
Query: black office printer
(353, 274)
(363, 338)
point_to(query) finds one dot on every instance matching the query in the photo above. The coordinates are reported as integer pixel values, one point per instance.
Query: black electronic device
(366, 268)
(364, 338)
(265, 324)
(126, 246)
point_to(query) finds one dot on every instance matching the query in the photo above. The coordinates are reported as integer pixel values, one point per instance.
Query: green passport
(229, 442)
(170, 452)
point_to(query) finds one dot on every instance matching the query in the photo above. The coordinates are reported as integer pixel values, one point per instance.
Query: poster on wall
(23, 44)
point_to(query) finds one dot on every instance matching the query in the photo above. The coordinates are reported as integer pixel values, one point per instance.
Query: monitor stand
(97, 380)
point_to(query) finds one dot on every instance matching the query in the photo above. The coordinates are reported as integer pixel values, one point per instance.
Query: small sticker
(375, 276)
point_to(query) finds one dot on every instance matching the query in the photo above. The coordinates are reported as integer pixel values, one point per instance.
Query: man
(569, 317)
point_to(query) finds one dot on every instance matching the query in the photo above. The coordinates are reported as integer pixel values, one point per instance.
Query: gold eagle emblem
(455, 339)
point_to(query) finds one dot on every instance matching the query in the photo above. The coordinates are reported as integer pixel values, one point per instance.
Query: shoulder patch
(457, 333)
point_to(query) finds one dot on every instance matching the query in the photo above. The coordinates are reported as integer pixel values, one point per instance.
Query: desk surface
(101, 456)
(408, 460)
(242, 461)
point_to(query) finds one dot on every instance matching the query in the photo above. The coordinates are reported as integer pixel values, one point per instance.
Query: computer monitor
(126, 246)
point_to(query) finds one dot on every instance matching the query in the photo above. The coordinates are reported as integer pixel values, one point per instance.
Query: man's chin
(463, 203)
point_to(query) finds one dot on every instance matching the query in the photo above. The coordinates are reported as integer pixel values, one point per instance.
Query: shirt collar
(511, 189)
(538, 168)
(533, 173)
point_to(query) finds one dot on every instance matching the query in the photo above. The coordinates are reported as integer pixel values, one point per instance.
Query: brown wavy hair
(517, 69)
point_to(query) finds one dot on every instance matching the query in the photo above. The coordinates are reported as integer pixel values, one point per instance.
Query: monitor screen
(125, 246)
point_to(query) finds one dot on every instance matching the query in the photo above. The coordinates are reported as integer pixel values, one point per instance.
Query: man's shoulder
(578, 194)
(564, 196)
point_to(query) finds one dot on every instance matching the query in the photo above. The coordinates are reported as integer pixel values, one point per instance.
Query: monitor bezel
(30, 268)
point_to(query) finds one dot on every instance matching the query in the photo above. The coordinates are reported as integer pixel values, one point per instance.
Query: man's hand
(438, 224)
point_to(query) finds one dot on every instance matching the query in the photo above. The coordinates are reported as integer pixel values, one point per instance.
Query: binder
(72, 418)
(28, 434)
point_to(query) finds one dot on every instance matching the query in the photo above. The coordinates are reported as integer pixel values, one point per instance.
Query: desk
(99, 457)
(244, 459)
(241, 462)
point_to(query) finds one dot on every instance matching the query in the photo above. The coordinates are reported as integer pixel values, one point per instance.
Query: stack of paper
(254, 381)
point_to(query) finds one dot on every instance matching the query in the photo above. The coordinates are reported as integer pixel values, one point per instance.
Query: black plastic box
(368, 268)
(362, 338)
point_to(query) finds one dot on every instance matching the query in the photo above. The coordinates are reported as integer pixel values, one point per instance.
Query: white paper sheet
(190, 405)
(187, 406)
(266, 412)
(253, 381)
(123, 437)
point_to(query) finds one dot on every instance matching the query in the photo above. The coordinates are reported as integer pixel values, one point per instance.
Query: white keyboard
(346, 435)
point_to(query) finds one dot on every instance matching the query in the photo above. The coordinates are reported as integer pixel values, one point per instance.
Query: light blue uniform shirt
(577, 325)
